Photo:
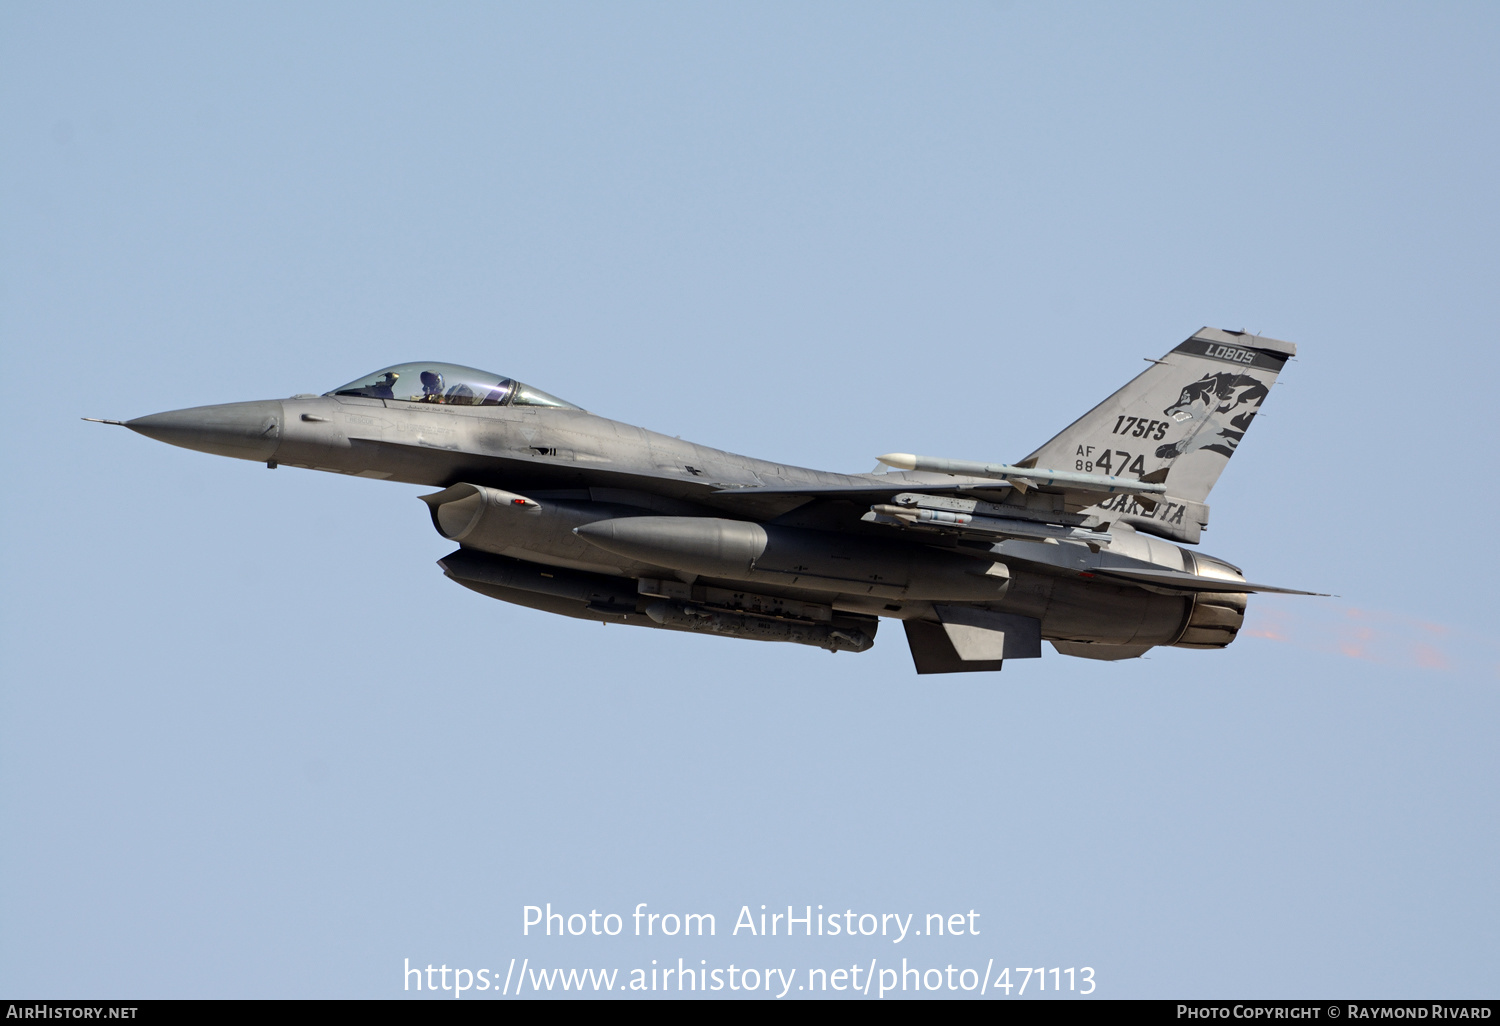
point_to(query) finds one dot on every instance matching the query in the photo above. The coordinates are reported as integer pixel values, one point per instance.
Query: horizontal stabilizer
(1181, 579)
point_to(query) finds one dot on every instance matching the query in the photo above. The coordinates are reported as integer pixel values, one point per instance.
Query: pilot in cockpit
(432, 387)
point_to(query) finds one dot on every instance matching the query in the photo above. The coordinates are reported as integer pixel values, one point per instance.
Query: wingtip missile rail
(1024, 477)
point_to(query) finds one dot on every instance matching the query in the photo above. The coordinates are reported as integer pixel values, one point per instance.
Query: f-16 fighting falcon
(563, 510)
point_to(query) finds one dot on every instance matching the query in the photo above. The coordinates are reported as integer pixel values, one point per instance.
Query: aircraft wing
(988, 481)
(518, 471)
(865, 490)
(522, 472)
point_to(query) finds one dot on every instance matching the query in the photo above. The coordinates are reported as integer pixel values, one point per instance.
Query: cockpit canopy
(450, 385)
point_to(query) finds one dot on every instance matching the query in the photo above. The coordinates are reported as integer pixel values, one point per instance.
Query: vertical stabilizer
(1186, 415)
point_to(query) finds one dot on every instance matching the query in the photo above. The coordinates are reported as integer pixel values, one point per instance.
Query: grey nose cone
(247, 431)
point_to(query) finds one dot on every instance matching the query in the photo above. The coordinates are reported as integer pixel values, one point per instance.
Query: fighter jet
(563, 510)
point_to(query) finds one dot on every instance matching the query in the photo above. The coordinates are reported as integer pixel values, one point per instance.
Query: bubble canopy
(448, 384)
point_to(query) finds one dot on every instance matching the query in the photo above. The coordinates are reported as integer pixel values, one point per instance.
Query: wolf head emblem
(1210, 402)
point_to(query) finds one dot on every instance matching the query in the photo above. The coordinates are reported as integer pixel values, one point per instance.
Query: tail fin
(1184, 417)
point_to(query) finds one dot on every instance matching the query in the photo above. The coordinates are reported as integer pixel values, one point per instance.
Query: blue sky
(253, 744)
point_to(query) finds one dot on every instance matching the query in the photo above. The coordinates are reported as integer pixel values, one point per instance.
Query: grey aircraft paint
(559, 509)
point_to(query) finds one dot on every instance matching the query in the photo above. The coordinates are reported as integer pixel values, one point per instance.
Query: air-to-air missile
(562, 510)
